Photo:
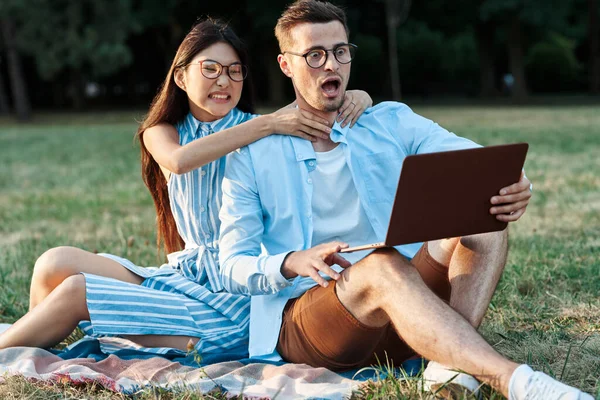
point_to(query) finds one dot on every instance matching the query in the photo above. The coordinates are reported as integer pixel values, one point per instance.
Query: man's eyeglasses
(212, 70)
(317, 57)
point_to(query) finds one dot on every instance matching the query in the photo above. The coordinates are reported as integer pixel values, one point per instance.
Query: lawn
(75, 179)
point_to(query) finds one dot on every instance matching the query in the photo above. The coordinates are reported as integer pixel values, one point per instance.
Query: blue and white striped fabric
(185, 296)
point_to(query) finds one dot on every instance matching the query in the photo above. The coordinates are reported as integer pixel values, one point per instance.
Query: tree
(156, 16)
(516, 58)
(485, 33)
(396, 12)
(594, 53)
(264, 15)
(19, 88)
(516, 15)
(465, 19)
(4, 108)
(86, 38)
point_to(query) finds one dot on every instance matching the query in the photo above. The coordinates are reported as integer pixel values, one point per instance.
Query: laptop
(447, 194)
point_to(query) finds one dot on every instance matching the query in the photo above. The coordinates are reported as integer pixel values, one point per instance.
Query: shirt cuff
(273, 272)
(530, 183)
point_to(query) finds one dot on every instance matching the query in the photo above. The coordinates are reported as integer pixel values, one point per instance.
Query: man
(289, 206)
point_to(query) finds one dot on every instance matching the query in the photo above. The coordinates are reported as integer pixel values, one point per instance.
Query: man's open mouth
(331, 87)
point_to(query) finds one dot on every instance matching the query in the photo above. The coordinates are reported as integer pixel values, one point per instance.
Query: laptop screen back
(447, 194)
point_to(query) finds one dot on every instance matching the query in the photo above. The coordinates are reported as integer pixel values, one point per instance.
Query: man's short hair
(306, 11)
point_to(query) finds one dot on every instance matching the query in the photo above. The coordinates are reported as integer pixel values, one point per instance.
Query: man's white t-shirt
(336, 209)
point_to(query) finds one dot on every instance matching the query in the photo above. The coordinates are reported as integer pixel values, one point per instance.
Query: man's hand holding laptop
(513, 199)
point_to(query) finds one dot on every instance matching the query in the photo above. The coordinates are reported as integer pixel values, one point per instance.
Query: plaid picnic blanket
(132, 371)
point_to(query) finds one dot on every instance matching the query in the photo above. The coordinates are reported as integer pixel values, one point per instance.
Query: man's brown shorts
(318, 330)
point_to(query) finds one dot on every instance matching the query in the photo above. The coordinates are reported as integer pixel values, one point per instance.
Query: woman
(200, 115)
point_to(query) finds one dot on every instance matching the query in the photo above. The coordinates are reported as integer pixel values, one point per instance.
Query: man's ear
(180, 78)
(284, 65)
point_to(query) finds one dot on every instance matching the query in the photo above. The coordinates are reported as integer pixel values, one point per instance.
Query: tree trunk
(392, 20)
(58, 93)
(517, 63)
(396, 12)
(276, 79)
(76, 90)
(485, 48)
(176, 35)
(19, 88)
(594, 32)
(4, 108)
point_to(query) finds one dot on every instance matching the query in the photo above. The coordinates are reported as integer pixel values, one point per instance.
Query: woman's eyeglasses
(237, 72)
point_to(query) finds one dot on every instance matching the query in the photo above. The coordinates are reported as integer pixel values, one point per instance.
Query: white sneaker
(447, 383)
(4, 327)
(527, 384)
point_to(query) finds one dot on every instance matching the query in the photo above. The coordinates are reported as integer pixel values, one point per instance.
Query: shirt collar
(200, 128)
(304, 150)
(338, 134)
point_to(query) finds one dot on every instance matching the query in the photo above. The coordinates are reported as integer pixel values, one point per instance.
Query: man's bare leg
(386, 287)
(475, 265)
(59, 313)
(59, 263)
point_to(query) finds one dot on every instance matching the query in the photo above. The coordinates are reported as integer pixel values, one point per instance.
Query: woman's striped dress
(184, 296)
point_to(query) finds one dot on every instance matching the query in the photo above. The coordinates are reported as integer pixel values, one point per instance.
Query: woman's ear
(284, 65)
(180, 78)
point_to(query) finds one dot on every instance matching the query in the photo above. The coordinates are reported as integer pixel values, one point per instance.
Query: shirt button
(309, 181)
(309, 215)
(312, 163)
(203, 172)
(298, 155)
(202, 209)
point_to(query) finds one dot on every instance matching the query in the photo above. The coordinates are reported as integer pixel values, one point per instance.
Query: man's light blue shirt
(267, 203)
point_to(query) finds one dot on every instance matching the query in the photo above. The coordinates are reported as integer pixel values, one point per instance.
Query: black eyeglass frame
(221, 68)
(352, 50)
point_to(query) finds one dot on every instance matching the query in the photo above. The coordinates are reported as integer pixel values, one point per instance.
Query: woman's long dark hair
(171, 105)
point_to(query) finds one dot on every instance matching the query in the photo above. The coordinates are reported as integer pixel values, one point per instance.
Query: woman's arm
(162, 141)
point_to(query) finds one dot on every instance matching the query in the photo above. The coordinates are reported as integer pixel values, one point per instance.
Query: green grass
(75, 179)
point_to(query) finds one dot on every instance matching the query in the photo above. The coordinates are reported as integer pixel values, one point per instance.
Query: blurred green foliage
(552, 64)
(125, 47)
(84, 35)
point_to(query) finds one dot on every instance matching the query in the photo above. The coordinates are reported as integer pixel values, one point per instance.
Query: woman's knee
(55, 265)
(71, 293)
(72, 287)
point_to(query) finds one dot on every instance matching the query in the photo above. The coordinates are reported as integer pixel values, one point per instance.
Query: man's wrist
(286, 272)
(272, 271)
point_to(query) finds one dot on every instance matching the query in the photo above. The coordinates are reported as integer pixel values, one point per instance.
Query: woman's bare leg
(59, 313)
(53, 319)
(59, 263)
(175, 342)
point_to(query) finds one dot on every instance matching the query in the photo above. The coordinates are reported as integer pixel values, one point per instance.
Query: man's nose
(331, 64)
